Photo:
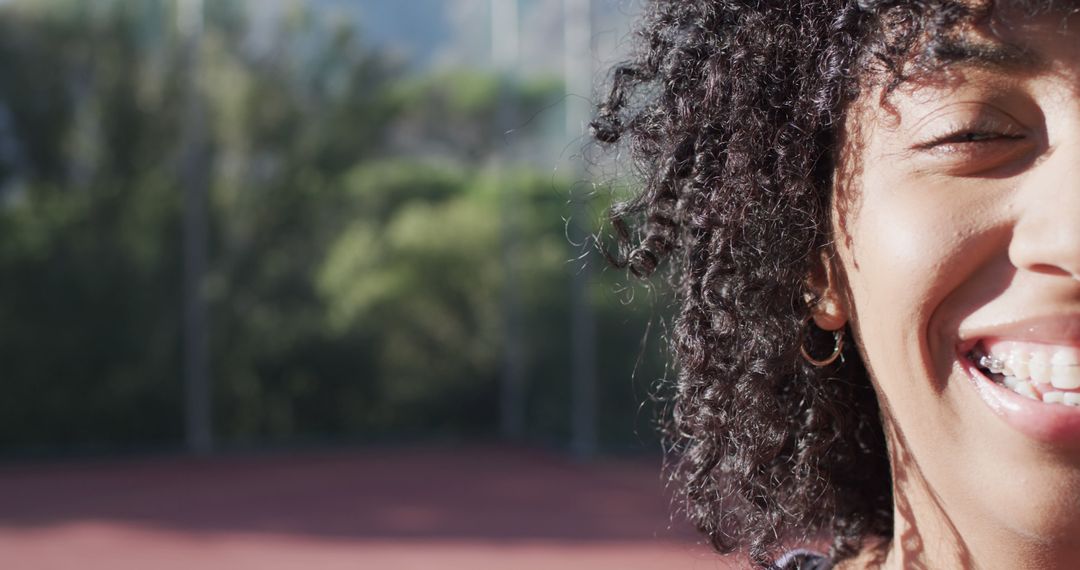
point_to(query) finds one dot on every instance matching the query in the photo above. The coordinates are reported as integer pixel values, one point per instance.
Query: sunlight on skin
(958, 221)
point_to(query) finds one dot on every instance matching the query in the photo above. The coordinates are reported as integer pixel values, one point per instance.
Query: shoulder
(802, 560)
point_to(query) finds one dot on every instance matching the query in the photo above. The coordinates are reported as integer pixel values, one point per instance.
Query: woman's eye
(979, 137)
(972, 149)
(962, 137)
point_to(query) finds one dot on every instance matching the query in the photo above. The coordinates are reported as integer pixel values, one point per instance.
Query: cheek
(911, 249)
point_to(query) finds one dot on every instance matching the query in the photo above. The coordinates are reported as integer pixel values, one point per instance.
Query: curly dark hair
(734, 112)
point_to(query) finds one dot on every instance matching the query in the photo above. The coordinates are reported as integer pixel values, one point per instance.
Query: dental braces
(992, 364)
(997, 366)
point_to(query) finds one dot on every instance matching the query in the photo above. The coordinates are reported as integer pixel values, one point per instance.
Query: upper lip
(1058, 328)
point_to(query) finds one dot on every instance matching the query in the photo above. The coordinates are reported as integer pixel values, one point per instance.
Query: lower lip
(1047, 423)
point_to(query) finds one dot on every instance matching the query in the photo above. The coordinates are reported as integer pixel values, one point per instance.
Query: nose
(1046, 236)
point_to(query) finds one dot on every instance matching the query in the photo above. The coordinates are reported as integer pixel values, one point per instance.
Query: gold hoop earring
(838, 335)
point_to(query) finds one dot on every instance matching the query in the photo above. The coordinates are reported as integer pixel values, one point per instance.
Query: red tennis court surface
(417, 508)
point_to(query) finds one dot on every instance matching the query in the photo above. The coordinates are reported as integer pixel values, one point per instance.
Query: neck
(927, 534)
(925, 537)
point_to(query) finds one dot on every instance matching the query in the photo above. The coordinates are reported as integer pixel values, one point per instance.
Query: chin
(1022, 468)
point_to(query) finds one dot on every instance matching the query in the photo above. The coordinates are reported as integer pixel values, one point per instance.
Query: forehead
(1016, 42)
(1011, 36)
(1004, 47)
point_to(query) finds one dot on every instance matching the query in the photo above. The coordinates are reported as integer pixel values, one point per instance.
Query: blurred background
(319, 271)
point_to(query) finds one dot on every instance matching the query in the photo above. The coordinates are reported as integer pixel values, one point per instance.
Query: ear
(828, 307)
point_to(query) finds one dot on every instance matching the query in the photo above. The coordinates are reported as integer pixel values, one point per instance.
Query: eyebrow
(995, 56)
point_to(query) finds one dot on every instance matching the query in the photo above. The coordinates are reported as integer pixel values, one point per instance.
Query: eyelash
(981, 132)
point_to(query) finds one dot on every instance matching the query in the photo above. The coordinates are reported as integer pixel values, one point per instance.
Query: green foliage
(357, 255)
(88, 234)
(466, 113)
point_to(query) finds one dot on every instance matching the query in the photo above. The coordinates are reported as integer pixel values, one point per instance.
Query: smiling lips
(1028, 373)
(1038, 371)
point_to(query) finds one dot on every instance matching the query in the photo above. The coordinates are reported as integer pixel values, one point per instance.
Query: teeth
(1028, 391)
(1022, 366)
(1018, 365)
(1039, 363)
(1065, 357)
(1039, 367)
(1067, 398)
(1065, 377)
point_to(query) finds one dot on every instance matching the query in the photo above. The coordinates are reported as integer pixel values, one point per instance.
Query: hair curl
(733, 111)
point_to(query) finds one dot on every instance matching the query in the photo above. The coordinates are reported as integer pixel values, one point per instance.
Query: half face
(957, 224)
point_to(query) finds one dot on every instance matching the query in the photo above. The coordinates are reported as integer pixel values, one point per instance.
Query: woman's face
(957, 224)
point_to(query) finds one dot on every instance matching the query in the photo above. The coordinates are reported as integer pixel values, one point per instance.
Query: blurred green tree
(355, 263)
(88, 228)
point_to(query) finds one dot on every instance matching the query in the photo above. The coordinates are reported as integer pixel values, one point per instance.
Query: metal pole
(577, 66)
(197, 411)
(504, 48)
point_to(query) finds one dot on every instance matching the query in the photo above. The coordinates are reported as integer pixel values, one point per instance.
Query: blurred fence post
(577, 66)
(504, 48)
(198, 429)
